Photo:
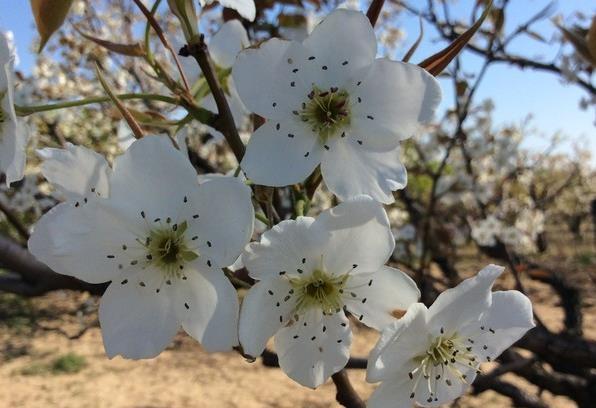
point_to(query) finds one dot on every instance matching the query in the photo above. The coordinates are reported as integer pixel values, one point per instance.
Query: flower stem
(28, 110)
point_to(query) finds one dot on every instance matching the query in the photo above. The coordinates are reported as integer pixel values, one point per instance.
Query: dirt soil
(41, 367)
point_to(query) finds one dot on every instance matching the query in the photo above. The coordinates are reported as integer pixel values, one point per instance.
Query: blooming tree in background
(299, 141)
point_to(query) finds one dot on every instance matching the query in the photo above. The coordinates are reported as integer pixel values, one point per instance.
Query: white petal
(506, 321)
(75, 171)
(343, 43)
(398, 96)
(82, 240)
(227, 43)
(400, 342)
(124, 135)
(391, 394)
(13, 149)
(207, 307)
(360, 235)
(289, 246)
(280, 154)
(246, 8)
(14, 134)
(465, 303)
(265, 309)
(135, 322)
(273, 80)
(444, 393)
(152, 175)
(379, 294)
(221, 215)
(349, 170)
(321, 348)
(5, 49)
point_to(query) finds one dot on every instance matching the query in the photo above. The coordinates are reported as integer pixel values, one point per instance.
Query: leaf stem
(28, 110)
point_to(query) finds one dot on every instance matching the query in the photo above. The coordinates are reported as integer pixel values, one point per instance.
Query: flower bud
(187, 14)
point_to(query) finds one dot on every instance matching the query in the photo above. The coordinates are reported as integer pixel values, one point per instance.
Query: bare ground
(41, 367)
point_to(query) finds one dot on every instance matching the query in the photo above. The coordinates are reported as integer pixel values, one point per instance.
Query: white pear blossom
(13, 132)
(158, 235)
(223, 48)
(310, 271)
(246, 8)
(328, 101)
(486, 232)
(431, 356)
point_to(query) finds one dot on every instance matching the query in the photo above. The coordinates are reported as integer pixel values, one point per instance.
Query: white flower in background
(160, 237)
(486, 232)
(308, 271)
(431, 356)
(223, 48)
(246, 8)
(328, 101)
(13, 132)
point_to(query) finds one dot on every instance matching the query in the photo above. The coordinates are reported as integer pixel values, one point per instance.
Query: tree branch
(199, 51)
(346, 394)
(35, 278)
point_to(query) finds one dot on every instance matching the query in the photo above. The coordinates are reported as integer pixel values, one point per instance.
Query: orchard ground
(41, 367)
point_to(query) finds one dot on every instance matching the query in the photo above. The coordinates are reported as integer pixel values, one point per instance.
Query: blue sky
(516, 93)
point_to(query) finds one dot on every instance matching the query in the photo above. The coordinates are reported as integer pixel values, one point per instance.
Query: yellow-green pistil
(327, 112)
(445, 354)
(319, 290)
(168, 250)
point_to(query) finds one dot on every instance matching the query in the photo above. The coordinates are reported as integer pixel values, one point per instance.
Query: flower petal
(227, 43)
(398, 96)
(92, 171)
(506, 321)
(342, 44)
(446, 389)
(81, 240)
(391, 394)
(265, 309)
(275, 79)
(136, 323)
(280, 154)
(400, 342)
(246, 8)
(465, 303)
(13, 146)
(289, 246)
(361, 239)
(381, 296)
(220, 214)
(349, 170)
(314, 348)
(152, 176)
(206, 304)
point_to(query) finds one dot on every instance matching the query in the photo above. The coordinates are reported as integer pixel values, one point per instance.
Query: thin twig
(151, 19)
(346, 394)
(374, 10)
(12, 218)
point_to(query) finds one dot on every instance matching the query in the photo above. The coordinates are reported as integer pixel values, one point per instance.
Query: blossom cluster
(164, 238)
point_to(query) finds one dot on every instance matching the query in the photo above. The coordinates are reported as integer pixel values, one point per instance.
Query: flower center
(326, 112)
(168, 250)
(446, 354)
(319, 290)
